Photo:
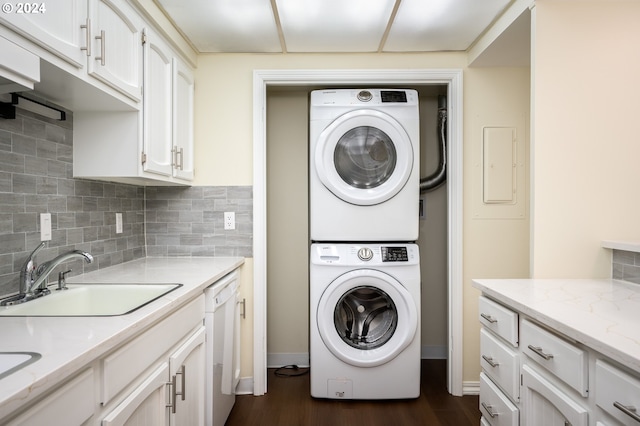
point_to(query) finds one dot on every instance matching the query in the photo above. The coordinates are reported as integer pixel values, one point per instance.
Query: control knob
(365, 253)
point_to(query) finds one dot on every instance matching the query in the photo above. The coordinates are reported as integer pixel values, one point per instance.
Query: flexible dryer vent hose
(439, 176)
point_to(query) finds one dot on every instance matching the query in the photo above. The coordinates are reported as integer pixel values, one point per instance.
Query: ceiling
(331, 26)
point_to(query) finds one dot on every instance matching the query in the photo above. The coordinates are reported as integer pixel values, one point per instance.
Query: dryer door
(364, 157)
(366, 318)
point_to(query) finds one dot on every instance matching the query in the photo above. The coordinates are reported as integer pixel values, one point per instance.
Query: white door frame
(264, 78)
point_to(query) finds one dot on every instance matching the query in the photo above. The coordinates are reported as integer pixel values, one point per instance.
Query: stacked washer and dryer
(364, 263)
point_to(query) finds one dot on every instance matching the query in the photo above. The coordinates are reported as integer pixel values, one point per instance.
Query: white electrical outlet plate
(118, 223)
(45, 227)
(229, 220)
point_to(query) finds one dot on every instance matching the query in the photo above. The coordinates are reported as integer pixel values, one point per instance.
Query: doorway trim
(453, 79)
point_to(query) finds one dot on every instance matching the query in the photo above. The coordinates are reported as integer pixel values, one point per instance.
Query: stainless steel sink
(91, 300)
(10, 362)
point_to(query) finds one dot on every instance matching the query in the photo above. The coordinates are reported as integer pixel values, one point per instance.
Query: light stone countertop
(69, 343)
(603, 314)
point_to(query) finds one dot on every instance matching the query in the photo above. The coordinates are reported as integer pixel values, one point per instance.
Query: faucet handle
(62, 283)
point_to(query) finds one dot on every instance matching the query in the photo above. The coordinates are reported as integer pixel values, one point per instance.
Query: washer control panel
(395, 254)
(389, 254)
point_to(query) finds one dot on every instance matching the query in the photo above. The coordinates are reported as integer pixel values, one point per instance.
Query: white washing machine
(364, 173)
(364, 321)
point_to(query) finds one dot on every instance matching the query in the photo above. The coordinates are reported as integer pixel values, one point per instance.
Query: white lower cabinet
(545, 404)
(187, 372)
(495, 407)
(145, 405)
(534, 376)
(73, 403)
(158, 378)
(618, 395)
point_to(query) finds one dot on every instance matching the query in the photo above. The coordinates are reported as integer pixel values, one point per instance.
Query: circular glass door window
(365, 318)
(365, 157)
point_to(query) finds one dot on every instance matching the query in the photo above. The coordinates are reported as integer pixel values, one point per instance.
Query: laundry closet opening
(287, 168)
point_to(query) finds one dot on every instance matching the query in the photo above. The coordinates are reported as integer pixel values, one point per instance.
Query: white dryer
(364, 177)
(364, 321)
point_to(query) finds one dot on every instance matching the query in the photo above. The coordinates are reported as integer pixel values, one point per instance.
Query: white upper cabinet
(168, 111)
(158, 93)
(60, 27)
(183, 89)
(116, 46)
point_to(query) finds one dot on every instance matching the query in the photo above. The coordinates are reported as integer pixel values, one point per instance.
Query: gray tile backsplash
(36, 164)
(625, 265)
(189, 221)
(36, 177)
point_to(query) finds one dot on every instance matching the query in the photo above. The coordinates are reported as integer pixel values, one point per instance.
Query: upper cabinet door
(59, 27)
(116, 51)
(183, 89)
(157, 106)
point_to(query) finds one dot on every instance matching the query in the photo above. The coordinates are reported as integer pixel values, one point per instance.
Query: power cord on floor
(290, 371)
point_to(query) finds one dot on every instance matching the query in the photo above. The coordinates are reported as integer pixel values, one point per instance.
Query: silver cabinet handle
(172, 403)
(490, 361)
(628, 410)
(174, 389)
(87, 27)
(489, 409)
(101, 58)
(182, 372)
(538, 350)
(489, 318)
(175, 154)
(243, 303)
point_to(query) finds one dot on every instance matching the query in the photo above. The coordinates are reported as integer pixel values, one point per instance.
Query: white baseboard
(471, 388)
(277, 360)
(245, 386)
(433, 352)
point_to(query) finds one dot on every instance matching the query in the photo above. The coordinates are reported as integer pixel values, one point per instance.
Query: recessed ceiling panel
(334, 25)
(226, 25)
(437, 25)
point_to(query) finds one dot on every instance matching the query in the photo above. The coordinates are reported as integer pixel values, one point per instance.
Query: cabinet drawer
(618, 393)
(500, 363)
(568, 362)
(71, 404)
(496, 408)
(125, 364)
(500, 320)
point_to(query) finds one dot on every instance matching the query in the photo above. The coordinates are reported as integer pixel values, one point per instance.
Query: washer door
(364, 157)
(366, 318)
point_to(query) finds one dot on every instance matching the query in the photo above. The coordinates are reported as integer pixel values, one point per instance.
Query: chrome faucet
(33, 278)
(43, 271)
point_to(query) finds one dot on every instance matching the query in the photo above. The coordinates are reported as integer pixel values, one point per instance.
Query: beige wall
(586, 151)
(495, 246)
(224, 126)
(287, 227)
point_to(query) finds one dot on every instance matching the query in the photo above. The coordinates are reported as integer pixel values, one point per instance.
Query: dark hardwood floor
(288, 403)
